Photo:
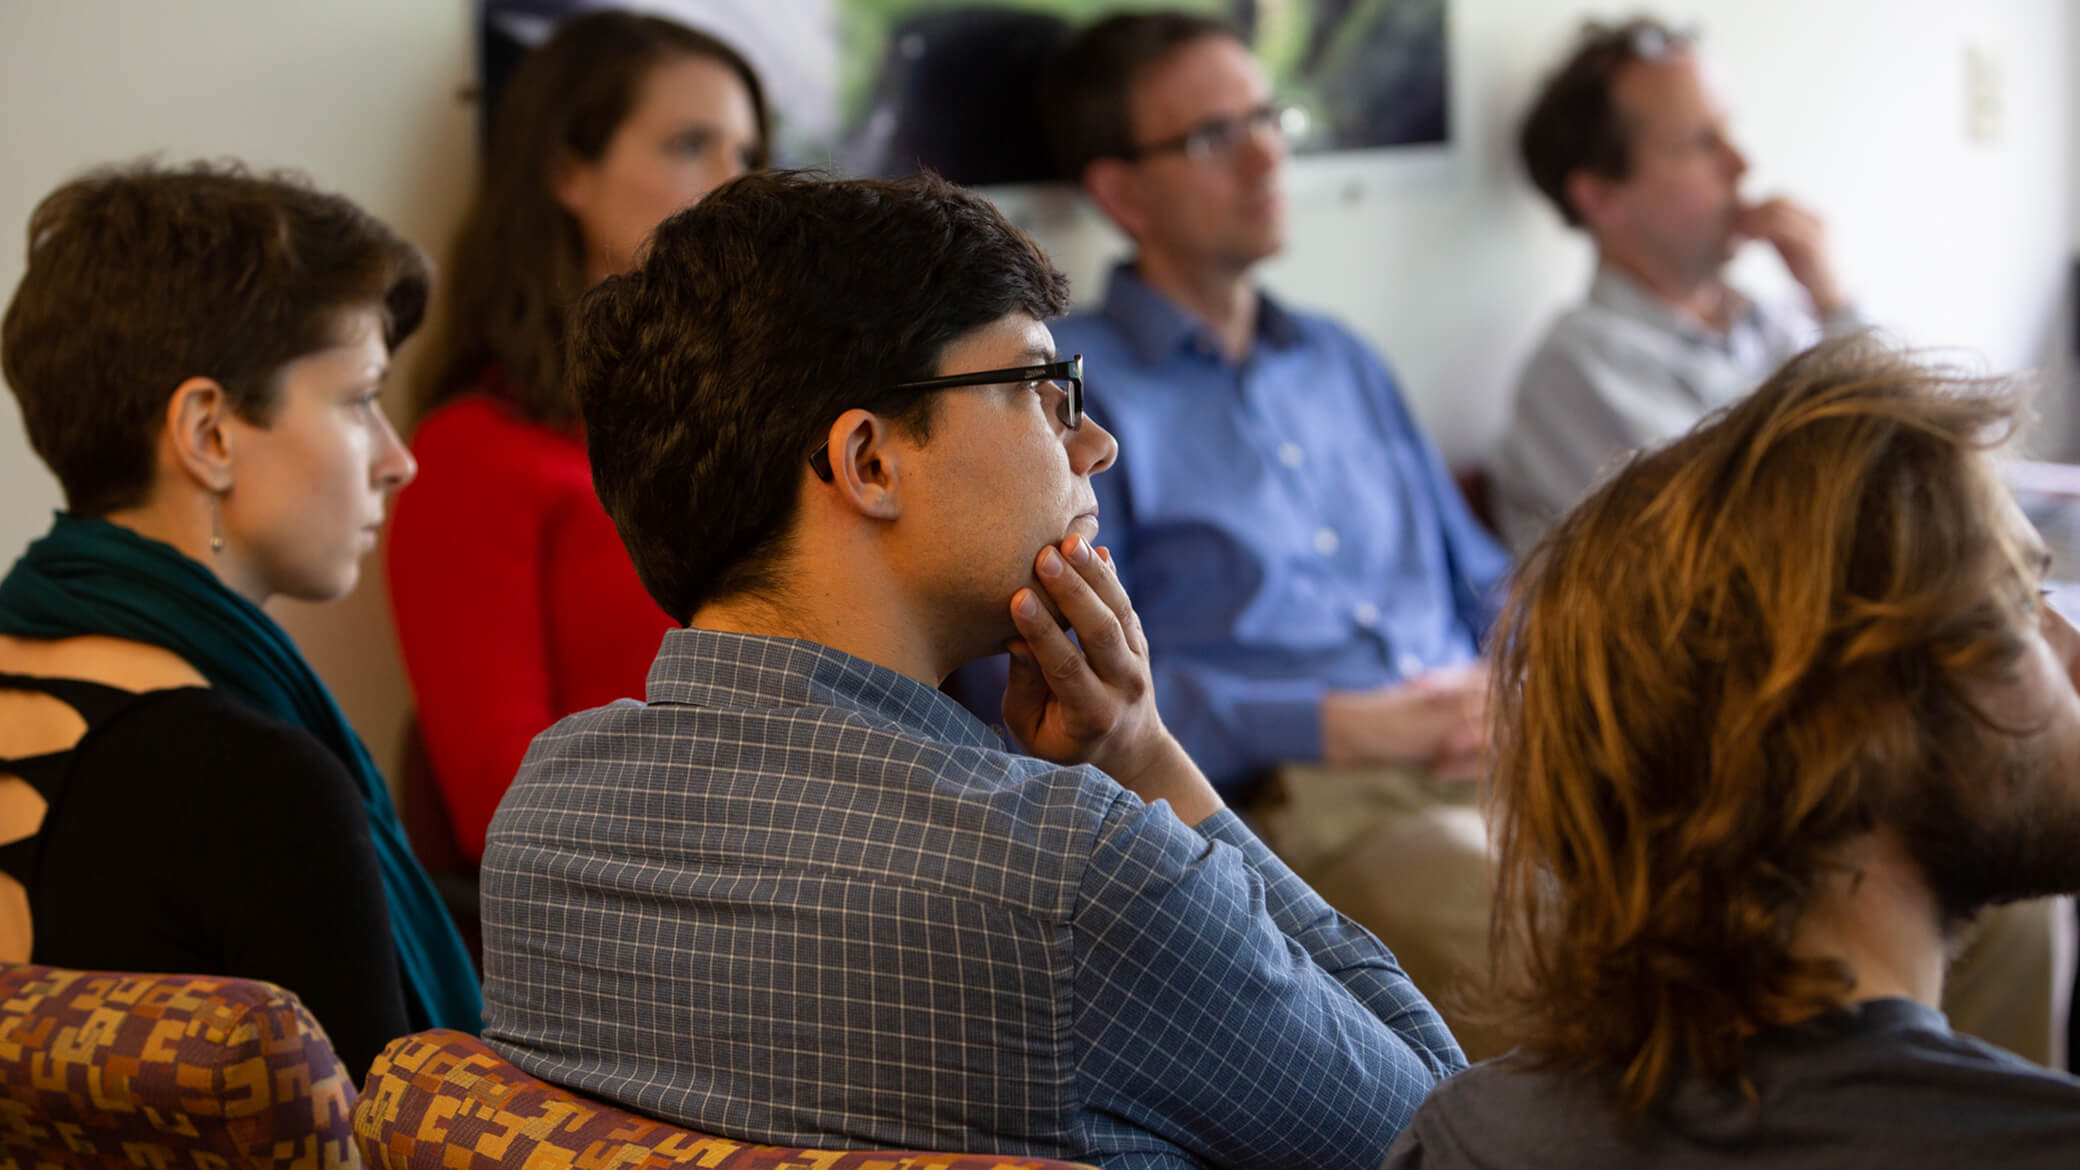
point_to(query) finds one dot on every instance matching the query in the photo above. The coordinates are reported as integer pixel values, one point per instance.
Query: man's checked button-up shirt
(799, 898)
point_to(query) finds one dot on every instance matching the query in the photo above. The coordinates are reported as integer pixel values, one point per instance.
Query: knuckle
(1069, 666)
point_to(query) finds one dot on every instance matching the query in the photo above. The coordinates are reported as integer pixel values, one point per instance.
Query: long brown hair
(519, 260)
(1747, 649)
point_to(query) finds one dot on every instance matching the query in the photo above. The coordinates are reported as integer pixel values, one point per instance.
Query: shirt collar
(1157, 328)
(1619, 293)
(751, 672)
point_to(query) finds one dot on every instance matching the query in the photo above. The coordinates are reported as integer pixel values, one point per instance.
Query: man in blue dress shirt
(1313, 586)
(799, 896)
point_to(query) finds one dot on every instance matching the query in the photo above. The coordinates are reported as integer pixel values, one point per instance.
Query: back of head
(519, 258)
(1747, 649)
(1574, 123)
(141, 277)
(754, 319)
(1090, 114)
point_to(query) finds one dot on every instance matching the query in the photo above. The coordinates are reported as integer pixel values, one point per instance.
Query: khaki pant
(2012, 982)
(1405, 857)
(1409, 859)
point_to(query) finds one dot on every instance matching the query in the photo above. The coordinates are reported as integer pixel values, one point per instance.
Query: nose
(1091, 448)
(1265, 148)
(393, 464)
(1736, 162)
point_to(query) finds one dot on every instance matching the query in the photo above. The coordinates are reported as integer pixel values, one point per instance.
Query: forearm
(1198, 1016)
(1170, 775)
(1349, 953)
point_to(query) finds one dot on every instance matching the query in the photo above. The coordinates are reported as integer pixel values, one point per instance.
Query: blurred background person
(1779, 709)
(514, 599)
(197, 355)
(1628, 141)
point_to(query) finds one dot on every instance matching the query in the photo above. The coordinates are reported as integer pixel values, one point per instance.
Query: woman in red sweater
(515, 601)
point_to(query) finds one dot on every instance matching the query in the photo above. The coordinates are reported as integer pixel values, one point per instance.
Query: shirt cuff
(1282, 728)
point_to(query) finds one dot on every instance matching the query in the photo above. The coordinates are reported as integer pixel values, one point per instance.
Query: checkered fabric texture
(101, 1070)
(804, 899)
(442, 1100)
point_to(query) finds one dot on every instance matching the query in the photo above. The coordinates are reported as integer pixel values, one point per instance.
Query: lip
(1084, 524)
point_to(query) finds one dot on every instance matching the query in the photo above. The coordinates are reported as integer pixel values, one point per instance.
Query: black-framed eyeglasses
(1065, 376)
(1222, 138)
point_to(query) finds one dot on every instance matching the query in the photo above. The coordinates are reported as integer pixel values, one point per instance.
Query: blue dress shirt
(1282, 525)
(799, 898)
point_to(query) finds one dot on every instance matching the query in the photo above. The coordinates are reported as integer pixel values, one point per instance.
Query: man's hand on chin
(1800, 238)
(1094, 703)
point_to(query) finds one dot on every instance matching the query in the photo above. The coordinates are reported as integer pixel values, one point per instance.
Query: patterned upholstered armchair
(444, 1101)
(101, 1070)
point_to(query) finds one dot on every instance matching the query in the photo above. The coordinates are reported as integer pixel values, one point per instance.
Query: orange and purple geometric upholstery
(441, 1100)
(100, 1070)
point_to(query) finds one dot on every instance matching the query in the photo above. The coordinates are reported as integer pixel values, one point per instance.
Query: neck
(1875, 914)
(188, 521)
(1702, 298)
(857, 613)
(1222, 299)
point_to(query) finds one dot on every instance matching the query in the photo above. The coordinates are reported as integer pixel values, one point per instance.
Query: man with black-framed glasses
(799, 896)
(1312, 584)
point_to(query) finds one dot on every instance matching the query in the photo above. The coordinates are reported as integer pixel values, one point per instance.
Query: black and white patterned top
(799, 898)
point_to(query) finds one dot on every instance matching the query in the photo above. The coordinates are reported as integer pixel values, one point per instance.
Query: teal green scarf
(93, 577)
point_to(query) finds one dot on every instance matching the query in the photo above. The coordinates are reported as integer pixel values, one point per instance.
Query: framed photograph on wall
(885, 87)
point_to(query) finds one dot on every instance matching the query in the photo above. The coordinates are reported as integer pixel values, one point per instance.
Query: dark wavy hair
(757, 316)
(140, 277)
(1574, 122)
(1747, 649)
(519, 259)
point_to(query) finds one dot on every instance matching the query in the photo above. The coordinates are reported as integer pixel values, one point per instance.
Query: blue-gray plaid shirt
(799, 898)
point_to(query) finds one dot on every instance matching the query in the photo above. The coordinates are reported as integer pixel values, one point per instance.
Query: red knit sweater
(515, 601)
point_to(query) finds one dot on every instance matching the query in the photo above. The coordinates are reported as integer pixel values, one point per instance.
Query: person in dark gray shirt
(1778, 711)
(1887, 1085)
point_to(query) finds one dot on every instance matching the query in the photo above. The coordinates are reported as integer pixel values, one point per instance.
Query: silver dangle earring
(216, 523)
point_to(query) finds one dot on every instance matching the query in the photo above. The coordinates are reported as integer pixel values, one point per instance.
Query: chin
(317, 589)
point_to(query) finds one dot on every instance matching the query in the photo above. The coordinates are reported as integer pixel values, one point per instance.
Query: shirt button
(1291, 455)
(1409, 663)
(1326, 542)
(1366, 613)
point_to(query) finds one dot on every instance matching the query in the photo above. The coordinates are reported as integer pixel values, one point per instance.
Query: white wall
(1447, 261)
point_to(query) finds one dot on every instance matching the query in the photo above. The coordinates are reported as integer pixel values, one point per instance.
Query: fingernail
(1027, 606)
(1079, 550)
(1050, 562)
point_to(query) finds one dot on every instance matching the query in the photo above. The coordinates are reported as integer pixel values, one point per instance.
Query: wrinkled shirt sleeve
(1222, 1004)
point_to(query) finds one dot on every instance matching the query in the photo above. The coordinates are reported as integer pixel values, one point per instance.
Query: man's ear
(866, 469)
(1593, 197)
(1115, 186)
(199, 439)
